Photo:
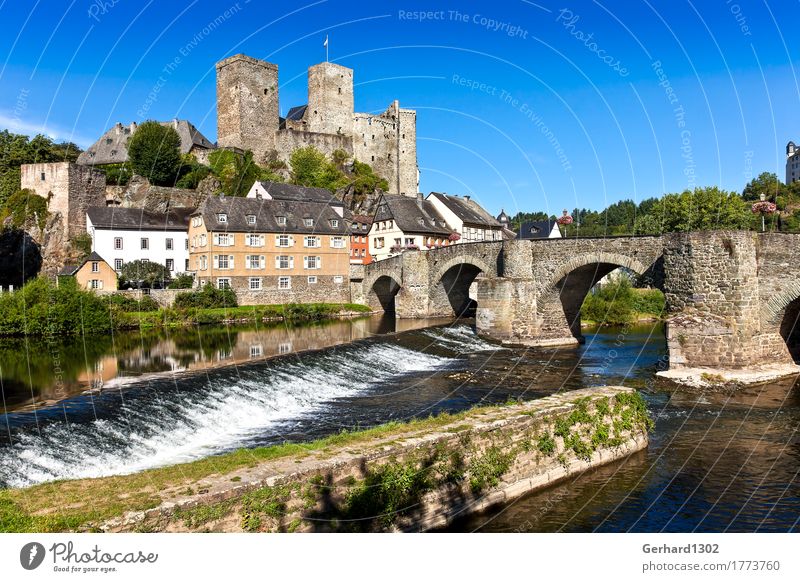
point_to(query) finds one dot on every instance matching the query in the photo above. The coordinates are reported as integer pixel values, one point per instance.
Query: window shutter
(246, 240)
(261, 240)
(230, 261)
(216, 261)
(305, 262)
(291, 262)
(330, 241)
(263, 261)
(277, 240)
(319, 262)
(216, 239)
(291, 241)
(277, 262)
(100, 284)
(247, 261)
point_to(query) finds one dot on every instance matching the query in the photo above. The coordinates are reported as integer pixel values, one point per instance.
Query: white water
(233, 408)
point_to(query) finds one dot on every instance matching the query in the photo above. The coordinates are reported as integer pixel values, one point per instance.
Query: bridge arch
(451, 282)
(566, 288)
(382, 282)
(781, 313)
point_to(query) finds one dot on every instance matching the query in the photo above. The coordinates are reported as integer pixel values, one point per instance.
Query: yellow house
(271, 251)
(94, 273)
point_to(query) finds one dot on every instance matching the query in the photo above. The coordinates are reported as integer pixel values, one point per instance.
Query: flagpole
(326, 48)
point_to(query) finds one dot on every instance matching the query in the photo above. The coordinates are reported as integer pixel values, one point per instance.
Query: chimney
(466, 197)
(420, 199)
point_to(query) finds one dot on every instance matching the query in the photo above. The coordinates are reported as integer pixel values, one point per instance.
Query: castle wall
(247, 104)
(330, 99)
(288, 141)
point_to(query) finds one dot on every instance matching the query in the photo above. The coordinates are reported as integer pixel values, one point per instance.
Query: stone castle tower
(248, 118)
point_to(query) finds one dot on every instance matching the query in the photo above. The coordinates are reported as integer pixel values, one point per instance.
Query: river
(121, 404)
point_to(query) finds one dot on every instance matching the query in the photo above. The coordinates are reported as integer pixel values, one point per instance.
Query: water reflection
(36, 373)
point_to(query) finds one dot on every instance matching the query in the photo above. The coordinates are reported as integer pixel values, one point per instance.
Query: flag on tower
(325, 44)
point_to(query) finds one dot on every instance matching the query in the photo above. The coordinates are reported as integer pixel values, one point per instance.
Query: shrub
(118, 174)
(182, 281)
(207, 297)
(121, 302)
(143, 273)
(154, 152)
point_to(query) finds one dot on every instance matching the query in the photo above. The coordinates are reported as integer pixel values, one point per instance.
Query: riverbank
(398, 476)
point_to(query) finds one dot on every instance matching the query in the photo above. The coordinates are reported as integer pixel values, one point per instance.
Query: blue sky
(524, 105)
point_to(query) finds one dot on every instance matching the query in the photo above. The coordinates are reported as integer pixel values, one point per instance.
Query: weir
(732, 296)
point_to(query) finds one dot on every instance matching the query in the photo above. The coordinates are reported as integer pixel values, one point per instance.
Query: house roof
(266, 212)
(411, 214)
(536, 229)
(112, 147)
(282, 191)
(297, 113)
(69, 270)
(114, 217)
(466, 209)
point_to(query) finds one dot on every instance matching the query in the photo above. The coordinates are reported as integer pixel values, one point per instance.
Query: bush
(610, 304)
(118, 174)
(207, 297)
(124, 303)
(143, 273)
(42, 308)
(182, 281)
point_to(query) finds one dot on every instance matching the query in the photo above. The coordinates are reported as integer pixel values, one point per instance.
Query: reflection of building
(94, 273)
(792, 163)
(402, 223)
(128, 234)
(271, 250)
(359, 240)
(466, 217)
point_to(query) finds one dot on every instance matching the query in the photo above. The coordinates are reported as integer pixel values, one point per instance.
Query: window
(95, 267)
(224, 283)
(251, 219)
(118, 243)
(284, 262)
(255, 283)
(42, 176)
(312, 262)
(203, 263)
(380, 242)
(334, 223)
(284, 282)
(145, 244)
(312, 279)
(203, 240)
(409, 241)
(186, 268)
(186, 244)
(363, 227)
(222, 261)
(222, 218)
(337, 242)
(96, 284)
(283, 240)
(224, 240)
(311, 242)
(254, 261)
(338, 279)
(170, 264)
(117, 264)
(281, 220)
(308, 222)
(169, 244)
(255, 240)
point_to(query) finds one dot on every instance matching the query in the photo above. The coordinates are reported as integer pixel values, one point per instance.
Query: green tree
(154, 152)
(308, 165)
(25, 208)
(143, 273)
(700, 209)
(237, 172)
(767, 184)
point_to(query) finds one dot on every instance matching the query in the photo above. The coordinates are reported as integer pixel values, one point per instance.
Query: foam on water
(460, 339)
(233, 409)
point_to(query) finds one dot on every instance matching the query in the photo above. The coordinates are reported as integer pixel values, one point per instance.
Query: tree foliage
(154, 152)
(700, 209)
(237, 172)
(25, 209)
(145, 274)
(311, 167)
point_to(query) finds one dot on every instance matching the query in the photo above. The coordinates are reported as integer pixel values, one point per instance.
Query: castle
(248, 118)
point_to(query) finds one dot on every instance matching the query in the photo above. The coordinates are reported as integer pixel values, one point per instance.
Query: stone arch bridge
(733, 297)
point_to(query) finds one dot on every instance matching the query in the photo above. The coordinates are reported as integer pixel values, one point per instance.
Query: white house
(403, 223)
(466, 217)
(122, 235)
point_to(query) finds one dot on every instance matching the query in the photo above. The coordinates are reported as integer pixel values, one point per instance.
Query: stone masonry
(248, 118)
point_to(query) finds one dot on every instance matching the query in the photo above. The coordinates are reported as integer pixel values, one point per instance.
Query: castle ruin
(248, 117)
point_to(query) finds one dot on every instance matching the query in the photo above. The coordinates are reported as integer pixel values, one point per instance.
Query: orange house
(359, 240)
(94, 273)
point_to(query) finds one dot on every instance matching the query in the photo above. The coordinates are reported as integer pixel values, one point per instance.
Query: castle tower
(247, 104)
(330, 99)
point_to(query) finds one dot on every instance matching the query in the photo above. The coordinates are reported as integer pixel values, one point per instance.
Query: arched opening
(383, 293)
(454, 289)
(790, 329)
(573, 288)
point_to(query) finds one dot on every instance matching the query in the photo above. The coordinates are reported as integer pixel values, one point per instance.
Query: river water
(121, 404)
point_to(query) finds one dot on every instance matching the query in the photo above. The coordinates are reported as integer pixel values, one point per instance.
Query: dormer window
(222, 218)
(281, 220)
(308, 222)
(421, 221)
(334, 223)
(251, 219)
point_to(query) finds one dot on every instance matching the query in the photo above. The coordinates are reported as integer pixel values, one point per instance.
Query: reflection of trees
(207, 341)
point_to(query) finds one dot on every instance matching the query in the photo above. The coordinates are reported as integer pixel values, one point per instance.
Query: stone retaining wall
(414, 480)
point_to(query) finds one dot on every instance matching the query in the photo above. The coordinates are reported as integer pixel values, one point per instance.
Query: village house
(129, 234)
(271, 250)
(359, 239)
(112, 147)
(93, 273)
(402, 223)
(536, 229)
(466, 217)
